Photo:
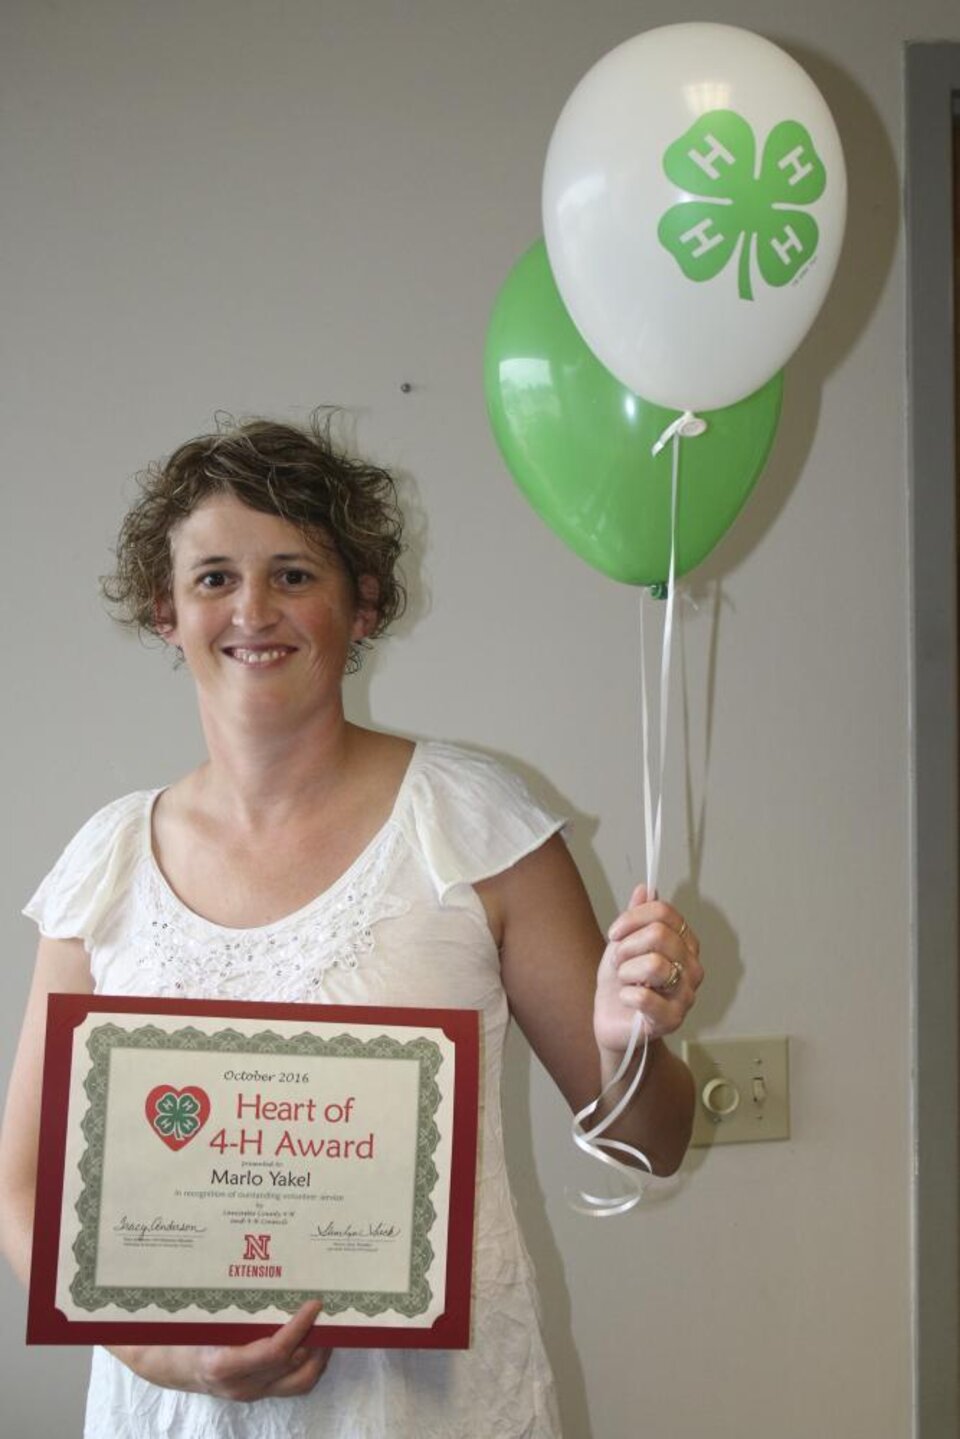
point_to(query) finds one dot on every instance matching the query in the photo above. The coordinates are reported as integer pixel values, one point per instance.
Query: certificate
(205, 1167)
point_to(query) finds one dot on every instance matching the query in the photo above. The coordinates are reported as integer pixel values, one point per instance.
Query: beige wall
(258, 207)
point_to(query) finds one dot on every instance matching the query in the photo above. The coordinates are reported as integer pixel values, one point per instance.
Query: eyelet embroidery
(181, 954)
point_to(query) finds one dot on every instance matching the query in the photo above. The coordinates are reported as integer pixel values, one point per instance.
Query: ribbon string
(592, 1141)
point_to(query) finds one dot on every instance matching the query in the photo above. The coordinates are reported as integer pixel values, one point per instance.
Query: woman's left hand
(651, 966)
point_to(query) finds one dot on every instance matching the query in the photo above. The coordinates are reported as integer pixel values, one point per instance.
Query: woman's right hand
(272, 1368)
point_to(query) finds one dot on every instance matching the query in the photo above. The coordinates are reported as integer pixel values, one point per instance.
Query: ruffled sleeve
(469, 816)
(78, 894)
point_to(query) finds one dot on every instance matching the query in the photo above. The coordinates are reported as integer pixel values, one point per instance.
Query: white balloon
(694, 289)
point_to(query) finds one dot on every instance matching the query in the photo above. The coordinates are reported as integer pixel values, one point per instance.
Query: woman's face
(264, 618)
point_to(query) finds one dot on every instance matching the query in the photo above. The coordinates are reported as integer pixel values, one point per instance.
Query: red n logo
(256, 1246)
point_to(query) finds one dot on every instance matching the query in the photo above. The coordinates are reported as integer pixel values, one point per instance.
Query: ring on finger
(676, 973)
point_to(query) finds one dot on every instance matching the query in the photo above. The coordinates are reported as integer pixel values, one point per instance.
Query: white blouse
(403, 925)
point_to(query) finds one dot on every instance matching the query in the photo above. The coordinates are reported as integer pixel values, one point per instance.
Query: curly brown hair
(300, 474)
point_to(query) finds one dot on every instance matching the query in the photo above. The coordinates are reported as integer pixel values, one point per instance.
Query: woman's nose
(255, 607)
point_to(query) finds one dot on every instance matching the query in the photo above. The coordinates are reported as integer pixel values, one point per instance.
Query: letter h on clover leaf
(716, 159)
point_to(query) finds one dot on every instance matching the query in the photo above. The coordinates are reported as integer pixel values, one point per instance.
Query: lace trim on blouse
(185, 955)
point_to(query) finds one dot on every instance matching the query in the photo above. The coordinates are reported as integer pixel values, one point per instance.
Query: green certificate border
(105, 1038)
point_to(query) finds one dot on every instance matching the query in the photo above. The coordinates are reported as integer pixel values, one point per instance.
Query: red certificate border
(46, 1324)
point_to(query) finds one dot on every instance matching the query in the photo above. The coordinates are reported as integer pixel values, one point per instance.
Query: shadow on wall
(873, 226)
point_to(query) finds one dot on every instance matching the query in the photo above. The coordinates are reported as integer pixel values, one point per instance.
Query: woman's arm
(278, 1365)
(575, 996)
(63, 966)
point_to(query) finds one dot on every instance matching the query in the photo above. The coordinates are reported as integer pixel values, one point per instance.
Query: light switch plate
(742, 1090)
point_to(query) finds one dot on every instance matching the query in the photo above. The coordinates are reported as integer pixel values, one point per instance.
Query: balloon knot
(688, 426)
(659, 590)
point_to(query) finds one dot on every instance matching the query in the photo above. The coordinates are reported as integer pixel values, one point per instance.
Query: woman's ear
(368, 594)
(164, 620)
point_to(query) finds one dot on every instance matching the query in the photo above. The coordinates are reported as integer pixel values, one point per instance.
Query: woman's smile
(255, 657)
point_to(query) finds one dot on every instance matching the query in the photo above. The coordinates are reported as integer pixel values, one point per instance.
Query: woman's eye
(294, 579)
(215, 580)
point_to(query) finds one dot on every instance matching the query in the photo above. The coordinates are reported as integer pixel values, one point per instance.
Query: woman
(309, 859)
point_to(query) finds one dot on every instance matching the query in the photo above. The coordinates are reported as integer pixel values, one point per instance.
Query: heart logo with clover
(758, 213)
(177, 1115)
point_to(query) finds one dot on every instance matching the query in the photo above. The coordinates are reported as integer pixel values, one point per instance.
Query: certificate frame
(76, 1143)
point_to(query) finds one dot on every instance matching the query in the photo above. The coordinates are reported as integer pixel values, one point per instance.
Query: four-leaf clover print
(176, 1115)
(716, 159)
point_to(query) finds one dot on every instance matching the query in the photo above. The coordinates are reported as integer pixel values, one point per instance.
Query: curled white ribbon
(591, 1141)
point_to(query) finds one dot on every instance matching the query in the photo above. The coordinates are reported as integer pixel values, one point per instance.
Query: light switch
(742, 1090)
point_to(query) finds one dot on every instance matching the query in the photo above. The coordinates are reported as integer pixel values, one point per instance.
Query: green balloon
(579, 443)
